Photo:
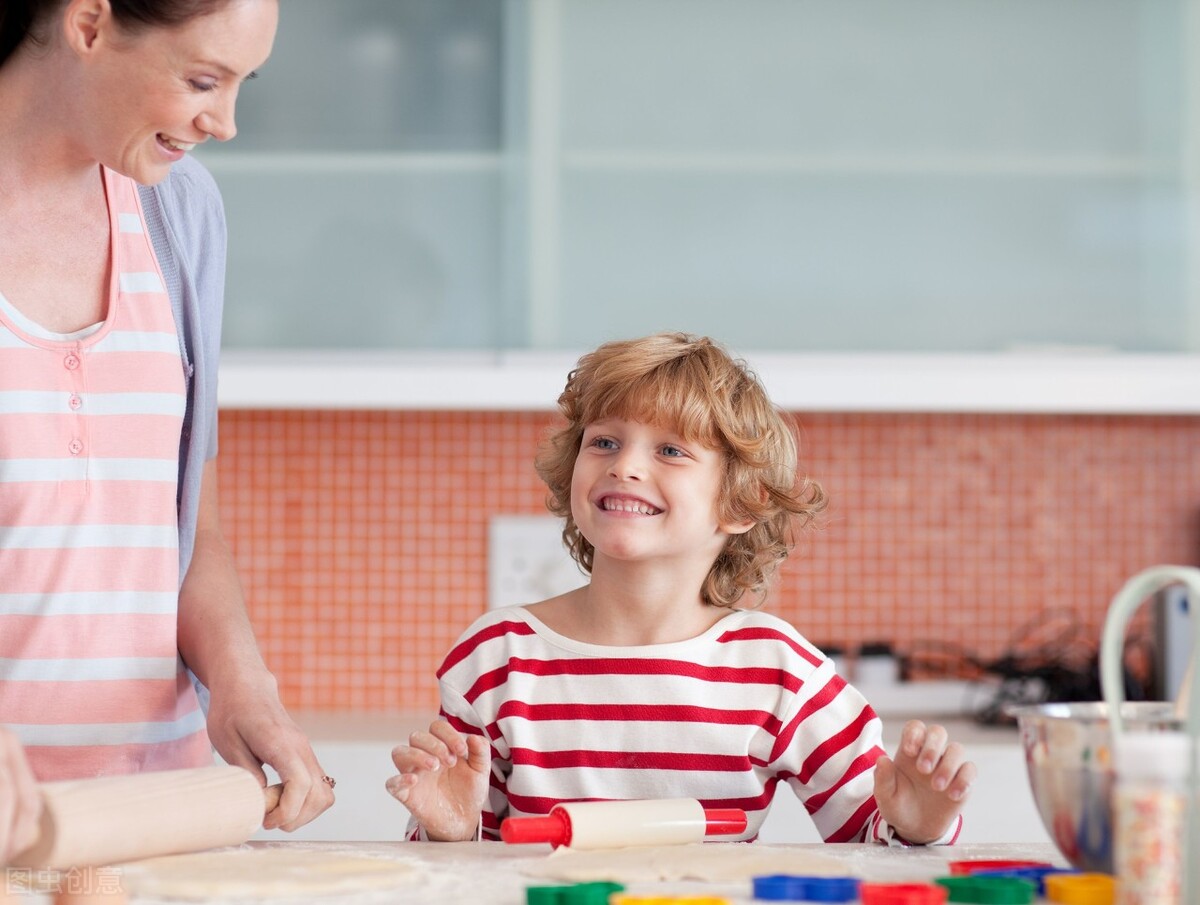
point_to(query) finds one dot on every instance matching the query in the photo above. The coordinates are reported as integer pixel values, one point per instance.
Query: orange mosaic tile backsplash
(362, 536)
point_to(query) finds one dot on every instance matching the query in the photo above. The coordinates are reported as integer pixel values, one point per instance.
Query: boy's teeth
(629, 506)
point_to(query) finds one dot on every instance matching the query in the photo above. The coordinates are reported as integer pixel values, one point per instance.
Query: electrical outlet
(527, 561)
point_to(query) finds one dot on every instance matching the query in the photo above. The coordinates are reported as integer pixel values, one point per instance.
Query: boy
(677, 480)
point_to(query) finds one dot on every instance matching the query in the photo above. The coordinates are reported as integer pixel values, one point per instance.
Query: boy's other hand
(923, 788)
(443, 781)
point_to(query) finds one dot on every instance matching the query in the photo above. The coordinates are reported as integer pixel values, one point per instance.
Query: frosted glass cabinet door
(824, 175)
(378, 75)
(363, 191)
(871, 174)
(866, 262)
(362, 257)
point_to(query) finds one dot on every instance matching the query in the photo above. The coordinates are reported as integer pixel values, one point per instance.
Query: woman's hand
(249, 727)
(247, 723)
(922, 790)
(443, 781)
(20, 803)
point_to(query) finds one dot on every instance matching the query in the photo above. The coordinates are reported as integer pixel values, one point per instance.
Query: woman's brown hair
(26, 20)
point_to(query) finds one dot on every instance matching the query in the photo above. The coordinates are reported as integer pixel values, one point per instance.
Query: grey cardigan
(186, 220)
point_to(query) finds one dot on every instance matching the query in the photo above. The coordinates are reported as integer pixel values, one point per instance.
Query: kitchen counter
(488, 873)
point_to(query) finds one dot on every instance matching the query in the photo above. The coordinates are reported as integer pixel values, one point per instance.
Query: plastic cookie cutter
(902, 893)
(1036, 875)
(575, 894)
(977, 864)
(1081, 889)
(790, 888)
(989, 890)
(667, 900)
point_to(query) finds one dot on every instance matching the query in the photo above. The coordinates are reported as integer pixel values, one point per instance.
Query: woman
(116, 584)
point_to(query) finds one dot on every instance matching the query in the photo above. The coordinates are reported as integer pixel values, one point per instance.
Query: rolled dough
(712, 862)
(262, 874)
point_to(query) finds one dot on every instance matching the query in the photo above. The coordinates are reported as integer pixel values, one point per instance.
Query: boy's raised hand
(443, 781)
(923, 788)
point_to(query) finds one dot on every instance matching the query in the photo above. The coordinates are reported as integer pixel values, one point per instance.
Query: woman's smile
(175, 144)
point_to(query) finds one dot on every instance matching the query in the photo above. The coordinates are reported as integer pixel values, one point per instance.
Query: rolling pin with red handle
(111, 819)
(616, 824)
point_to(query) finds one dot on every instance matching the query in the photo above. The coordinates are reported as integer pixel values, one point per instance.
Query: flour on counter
(263, 874)
(720, 863)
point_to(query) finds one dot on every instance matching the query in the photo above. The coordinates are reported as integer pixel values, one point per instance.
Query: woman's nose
(218, 121)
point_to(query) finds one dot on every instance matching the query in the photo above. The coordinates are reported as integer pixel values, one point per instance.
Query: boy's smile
(640, 492)
(631, 505)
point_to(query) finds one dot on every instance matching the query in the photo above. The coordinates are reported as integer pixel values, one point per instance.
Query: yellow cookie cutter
(1081, 889)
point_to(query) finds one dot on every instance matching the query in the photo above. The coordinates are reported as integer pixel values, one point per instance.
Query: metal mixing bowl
(1068, 753)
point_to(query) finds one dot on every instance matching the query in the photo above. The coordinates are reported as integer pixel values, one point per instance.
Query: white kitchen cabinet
(870, 180)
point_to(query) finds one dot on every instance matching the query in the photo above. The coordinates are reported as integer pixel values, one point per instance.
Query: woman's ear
(85, 21)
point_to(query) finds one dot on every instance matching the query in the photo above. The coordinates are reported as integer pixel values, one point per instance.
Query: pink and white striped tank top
(90, 674)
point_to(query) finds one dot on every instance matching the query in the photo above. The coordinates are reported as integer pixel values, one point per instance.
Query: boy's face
(640, 491)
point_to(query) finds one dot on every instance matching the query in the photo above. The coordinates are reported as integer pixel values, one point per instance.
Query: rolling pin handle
(724, 821)
(554, 828)
(271, 796)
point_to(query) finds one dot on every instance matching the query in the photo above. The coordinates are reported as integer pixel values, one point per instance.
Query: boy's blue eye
(672, 451)
(604, 443)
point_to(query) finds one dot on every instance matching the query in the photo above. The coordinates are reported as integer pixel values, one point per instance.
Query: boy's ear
(737, 527)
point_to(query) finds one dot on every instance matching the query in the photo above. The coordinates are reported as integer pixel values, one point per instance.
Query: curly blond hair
(692, 385)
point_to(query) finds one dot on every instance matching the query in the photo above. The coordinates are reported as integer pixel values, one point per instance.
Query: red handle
(724, 821)
(554, 828)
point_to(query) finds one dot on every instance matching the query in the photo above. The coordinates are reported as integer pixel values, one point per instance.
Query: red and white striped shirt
(723, 718)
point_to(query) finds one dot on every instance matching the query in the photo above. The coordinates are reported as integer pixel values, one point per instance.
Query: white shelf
(1050, 383)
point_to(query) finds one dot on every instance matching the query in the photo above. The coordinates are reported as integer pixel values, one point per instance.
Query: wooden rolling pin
(87, 822)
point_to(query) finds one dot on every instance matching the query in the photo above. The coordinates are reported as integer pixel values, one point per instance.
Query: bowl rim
(1159, 712)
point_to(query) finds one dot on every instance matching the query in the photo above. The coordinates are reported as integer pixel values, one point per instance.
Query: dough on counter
(710, 862)
(264, 873)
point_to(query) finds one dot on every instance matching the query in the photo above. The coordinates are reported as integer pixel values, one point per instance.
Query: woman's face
(151, 95)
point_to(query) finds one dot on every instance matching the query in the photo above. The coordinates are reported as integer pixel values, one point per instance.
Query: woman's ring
(329, 781)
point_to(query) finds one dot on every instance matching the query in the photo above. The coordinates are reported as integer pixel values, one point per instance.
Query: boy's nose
(626, 466)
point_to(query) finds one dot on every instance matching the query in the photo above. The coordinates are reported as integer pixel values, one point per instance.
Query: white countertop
(1049, 381)
(490, 873)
